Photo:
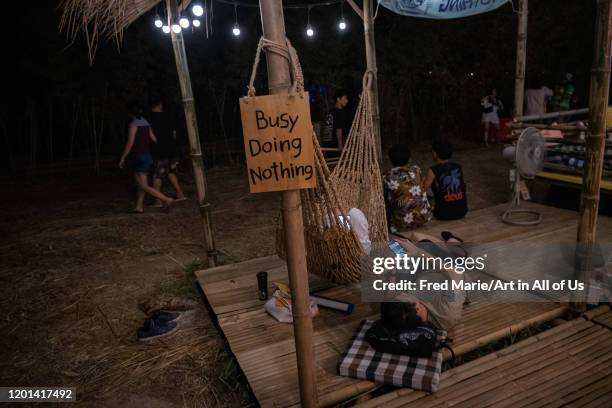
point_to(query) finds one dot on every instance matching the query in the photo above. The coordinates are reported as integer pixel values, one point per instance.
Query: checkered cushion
(363, 362)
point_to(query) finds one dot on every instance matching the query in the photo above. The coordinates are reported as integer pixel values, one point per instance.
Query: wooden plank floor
(604, 320)
(265, 349)
(569, 365)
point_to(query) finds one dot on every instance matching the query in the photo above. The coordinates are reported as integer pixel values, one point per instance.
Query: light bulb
(184, 22)
(236, 31)
(176, 28)
(158, 22)
(196, 23)
(166, 29)
(197, 10)
(309, 31)
(342, 25)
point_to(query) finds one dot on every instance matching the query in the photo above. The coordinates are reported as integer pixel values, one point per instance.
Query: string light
(196, 23)
(176, 28)
(309, 30)
(342, 23)
(236, 29)
(184, 22)
(197, 10)
(166, 29)
(158, 22)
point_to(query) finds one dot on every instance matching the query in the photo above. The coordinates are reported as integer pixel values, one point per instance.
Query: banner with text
(441, 9)
(278, 142)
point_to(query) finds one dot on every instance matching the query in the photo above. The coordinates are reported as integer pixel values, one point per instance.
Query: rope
(334, 253)
(286, 51)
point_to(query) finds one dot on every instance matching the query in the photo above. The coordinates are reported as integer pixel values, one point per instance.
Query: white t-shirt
(536, 99)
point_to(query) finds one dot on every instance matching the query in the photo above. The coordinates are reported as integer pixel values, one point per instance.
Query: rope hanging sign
(278, 133)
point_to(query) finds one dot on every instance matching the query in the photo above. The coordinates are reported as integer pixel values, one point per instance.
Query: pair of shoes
(159, 324)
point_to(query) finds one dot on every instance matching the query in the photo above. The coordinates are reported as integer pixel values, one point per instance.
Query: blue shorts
(142, 163)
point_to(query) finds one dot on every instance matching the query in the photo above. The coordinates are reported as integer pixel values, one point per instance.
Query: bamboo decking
(265, 349)
(569, 365)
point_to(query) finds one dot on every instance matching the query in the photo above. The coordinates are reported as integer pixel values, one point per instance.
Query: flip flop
(180, 199)
(135, 211)
(156, 205)
(168, 206)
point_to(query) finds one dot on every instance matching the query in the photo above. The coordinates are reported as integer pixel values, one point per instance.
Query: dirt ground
(78, 272)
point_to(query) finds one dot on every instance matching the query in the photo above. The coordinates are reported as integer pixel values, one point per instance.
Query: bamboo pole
(569, 128)
(182, 69)
(370, 48)
(521, 58)
(551, 115)
(595, 146)
(279, 81)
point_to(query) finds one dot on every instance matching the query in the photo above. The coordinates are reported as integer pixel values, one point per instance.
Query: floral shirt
(406, 200)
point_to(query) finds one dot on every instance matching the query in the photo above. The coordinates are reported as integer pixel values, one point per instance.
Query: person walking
(164, 152)
(138, 145)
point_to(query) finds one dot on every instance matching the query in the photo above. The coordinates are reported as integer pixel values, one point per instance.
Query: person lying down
(407, 311)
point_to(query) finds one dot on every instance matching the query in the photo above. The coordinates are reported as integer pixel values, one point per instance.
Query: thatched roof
(106, 19)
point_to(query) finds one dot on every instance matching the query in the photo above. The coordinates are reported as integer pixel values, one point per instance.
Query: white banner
(441, 9)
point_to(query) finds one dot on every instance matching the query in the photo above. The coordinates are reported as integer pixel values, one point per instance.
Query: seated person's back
(445, 179)
(405, 199)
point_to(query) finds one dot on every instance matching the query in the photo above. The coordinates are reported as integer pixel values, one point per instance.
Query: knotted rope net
(357, 177)
(333, 251)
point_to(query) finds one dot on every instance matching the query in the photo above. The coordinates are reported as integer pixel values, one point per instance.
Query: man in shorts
(164, 151)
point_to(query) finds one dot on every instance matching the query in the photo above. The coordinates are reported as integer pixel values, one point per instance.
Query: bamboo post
(595, 146)
(551, 115)
(370, 48)
(182, 69)
(521, 58)
(279, 81)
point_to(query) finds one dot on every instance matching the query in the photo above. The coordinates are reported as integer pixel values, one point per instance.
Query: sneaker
(152, 330)
(163, 317)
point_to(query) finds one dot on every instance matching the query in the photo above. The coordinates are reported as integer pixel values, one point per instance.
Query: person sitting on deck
(445, 181)
(405, 199)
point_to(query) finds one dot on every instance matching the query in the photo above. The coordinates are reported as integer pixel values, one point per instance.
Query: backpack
(420, 341)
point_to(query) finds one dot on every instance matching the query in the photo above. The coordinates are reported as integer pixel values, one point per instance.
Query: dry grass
(78, 271)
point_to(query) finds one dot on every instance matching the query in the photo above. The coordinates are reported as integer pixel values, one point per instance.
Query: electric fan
(528, 155)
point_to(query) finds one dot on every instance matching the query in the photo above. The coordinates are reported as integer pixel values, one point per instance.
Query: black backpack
(420, 341)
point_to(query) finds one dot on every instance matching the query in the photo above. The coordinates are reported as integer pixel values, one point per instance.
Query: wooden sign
(278, 142)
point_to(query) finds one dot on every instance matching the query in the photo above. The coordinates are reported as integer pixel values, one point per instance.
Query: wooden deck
(265, 349)
(569, 365)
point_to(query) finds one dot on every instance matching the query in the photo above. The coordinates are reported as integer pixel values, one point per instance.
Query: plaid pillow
(361, 361)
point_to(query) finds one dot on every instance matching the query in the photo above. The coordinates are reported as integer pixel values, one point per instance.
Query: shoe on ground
(163, 317)
(152, 330)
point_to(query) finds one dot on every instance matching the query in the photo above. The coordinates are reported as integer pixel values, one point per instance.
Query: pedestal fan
(527, 155)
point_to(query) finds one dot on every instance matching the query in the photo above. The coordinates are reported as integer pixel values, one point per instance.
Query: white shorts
(491, 117)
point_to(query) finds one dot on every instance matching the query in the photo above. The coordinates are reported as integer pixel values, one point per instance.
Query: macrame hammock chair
(333, 252)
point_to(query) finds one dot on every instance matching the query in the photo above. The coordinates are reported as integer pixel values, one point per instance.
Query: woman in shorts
(138, 145)
(491, 105)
